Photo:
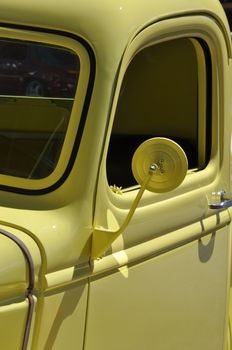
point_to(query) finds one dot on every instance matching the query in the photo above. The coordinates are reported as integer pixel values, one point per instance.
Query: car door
(164, 282)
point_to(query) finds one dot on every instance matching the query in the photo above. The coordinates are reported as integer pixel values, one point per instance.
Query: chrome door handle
(220, 200)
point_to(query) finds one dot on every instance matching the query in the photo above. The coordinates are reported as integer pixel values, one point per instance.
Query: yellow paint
(171, 253)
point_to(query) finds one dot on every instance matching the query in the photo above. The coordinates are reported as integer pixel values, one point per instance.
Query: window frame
(201, 105)
(79, 109)
(204, 29)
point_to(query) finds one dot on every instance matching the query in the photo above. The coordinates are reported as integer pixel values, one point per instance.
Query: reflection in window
(37, 70)
(37, 88)
(159, 97)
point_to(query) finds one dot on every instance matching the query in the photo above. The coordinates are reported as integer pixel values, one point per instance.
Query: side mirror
(158, 165)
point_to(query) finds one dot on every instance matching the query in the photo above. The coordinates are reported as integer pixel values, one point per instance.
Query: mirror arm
(163, 155)
(103, 238)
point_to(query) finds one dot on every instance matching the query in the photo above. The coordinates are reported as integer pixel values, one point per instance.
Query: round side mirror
(159, 165)
(165, 158)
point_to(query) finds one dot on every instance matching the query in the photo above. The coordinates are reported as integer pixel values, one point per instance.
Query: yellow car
(115, 175)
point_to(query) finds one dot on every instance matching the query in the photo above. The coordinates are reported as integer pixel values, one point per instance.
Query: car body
(89, 258)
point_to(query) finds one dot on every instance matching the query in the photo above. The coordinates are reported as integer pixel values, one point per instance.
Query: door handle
(220, 200)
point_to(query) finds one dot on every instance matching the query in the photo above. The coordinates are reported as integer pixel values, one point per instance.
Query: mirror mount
(103, 238)
(159, 165)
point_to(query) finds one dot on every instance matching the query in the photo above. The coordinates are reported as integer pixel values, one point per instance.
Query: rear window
(38, 83)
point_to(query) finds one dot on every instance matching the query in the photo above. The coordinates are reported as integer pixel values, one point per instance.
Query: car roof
(105, 24)
(89, 16)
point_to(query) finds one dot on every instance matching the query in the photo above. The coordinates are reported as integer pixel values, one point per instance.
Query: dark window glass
(227, 5)
(37, 70)
(13, 51)
(37, 88)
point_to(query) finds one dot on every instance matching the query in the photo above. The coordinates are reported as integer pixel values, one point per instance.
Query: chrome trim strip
(31, 277)
(31, 306)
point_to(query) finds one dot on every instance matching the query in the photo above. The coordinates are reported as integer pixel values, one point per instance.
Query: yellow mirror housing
(169, 159)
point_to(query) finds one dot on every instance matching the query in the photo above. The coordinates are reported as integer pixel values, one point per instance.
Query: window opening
(227, 5)
(163, 94)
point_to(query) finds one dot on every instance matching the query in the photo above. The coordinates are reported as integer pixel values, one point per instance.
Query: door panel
(13, 323)
(173, 301)
(63, 318)
(164, 283)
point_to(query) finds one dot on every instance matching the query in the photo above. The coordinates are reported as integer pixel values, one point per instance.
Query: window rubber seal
(84, 112)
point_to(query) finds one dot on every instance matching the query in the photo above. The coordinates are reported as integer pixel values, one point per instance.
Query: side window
(37, 87)
(163, 94)
(227, 5)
